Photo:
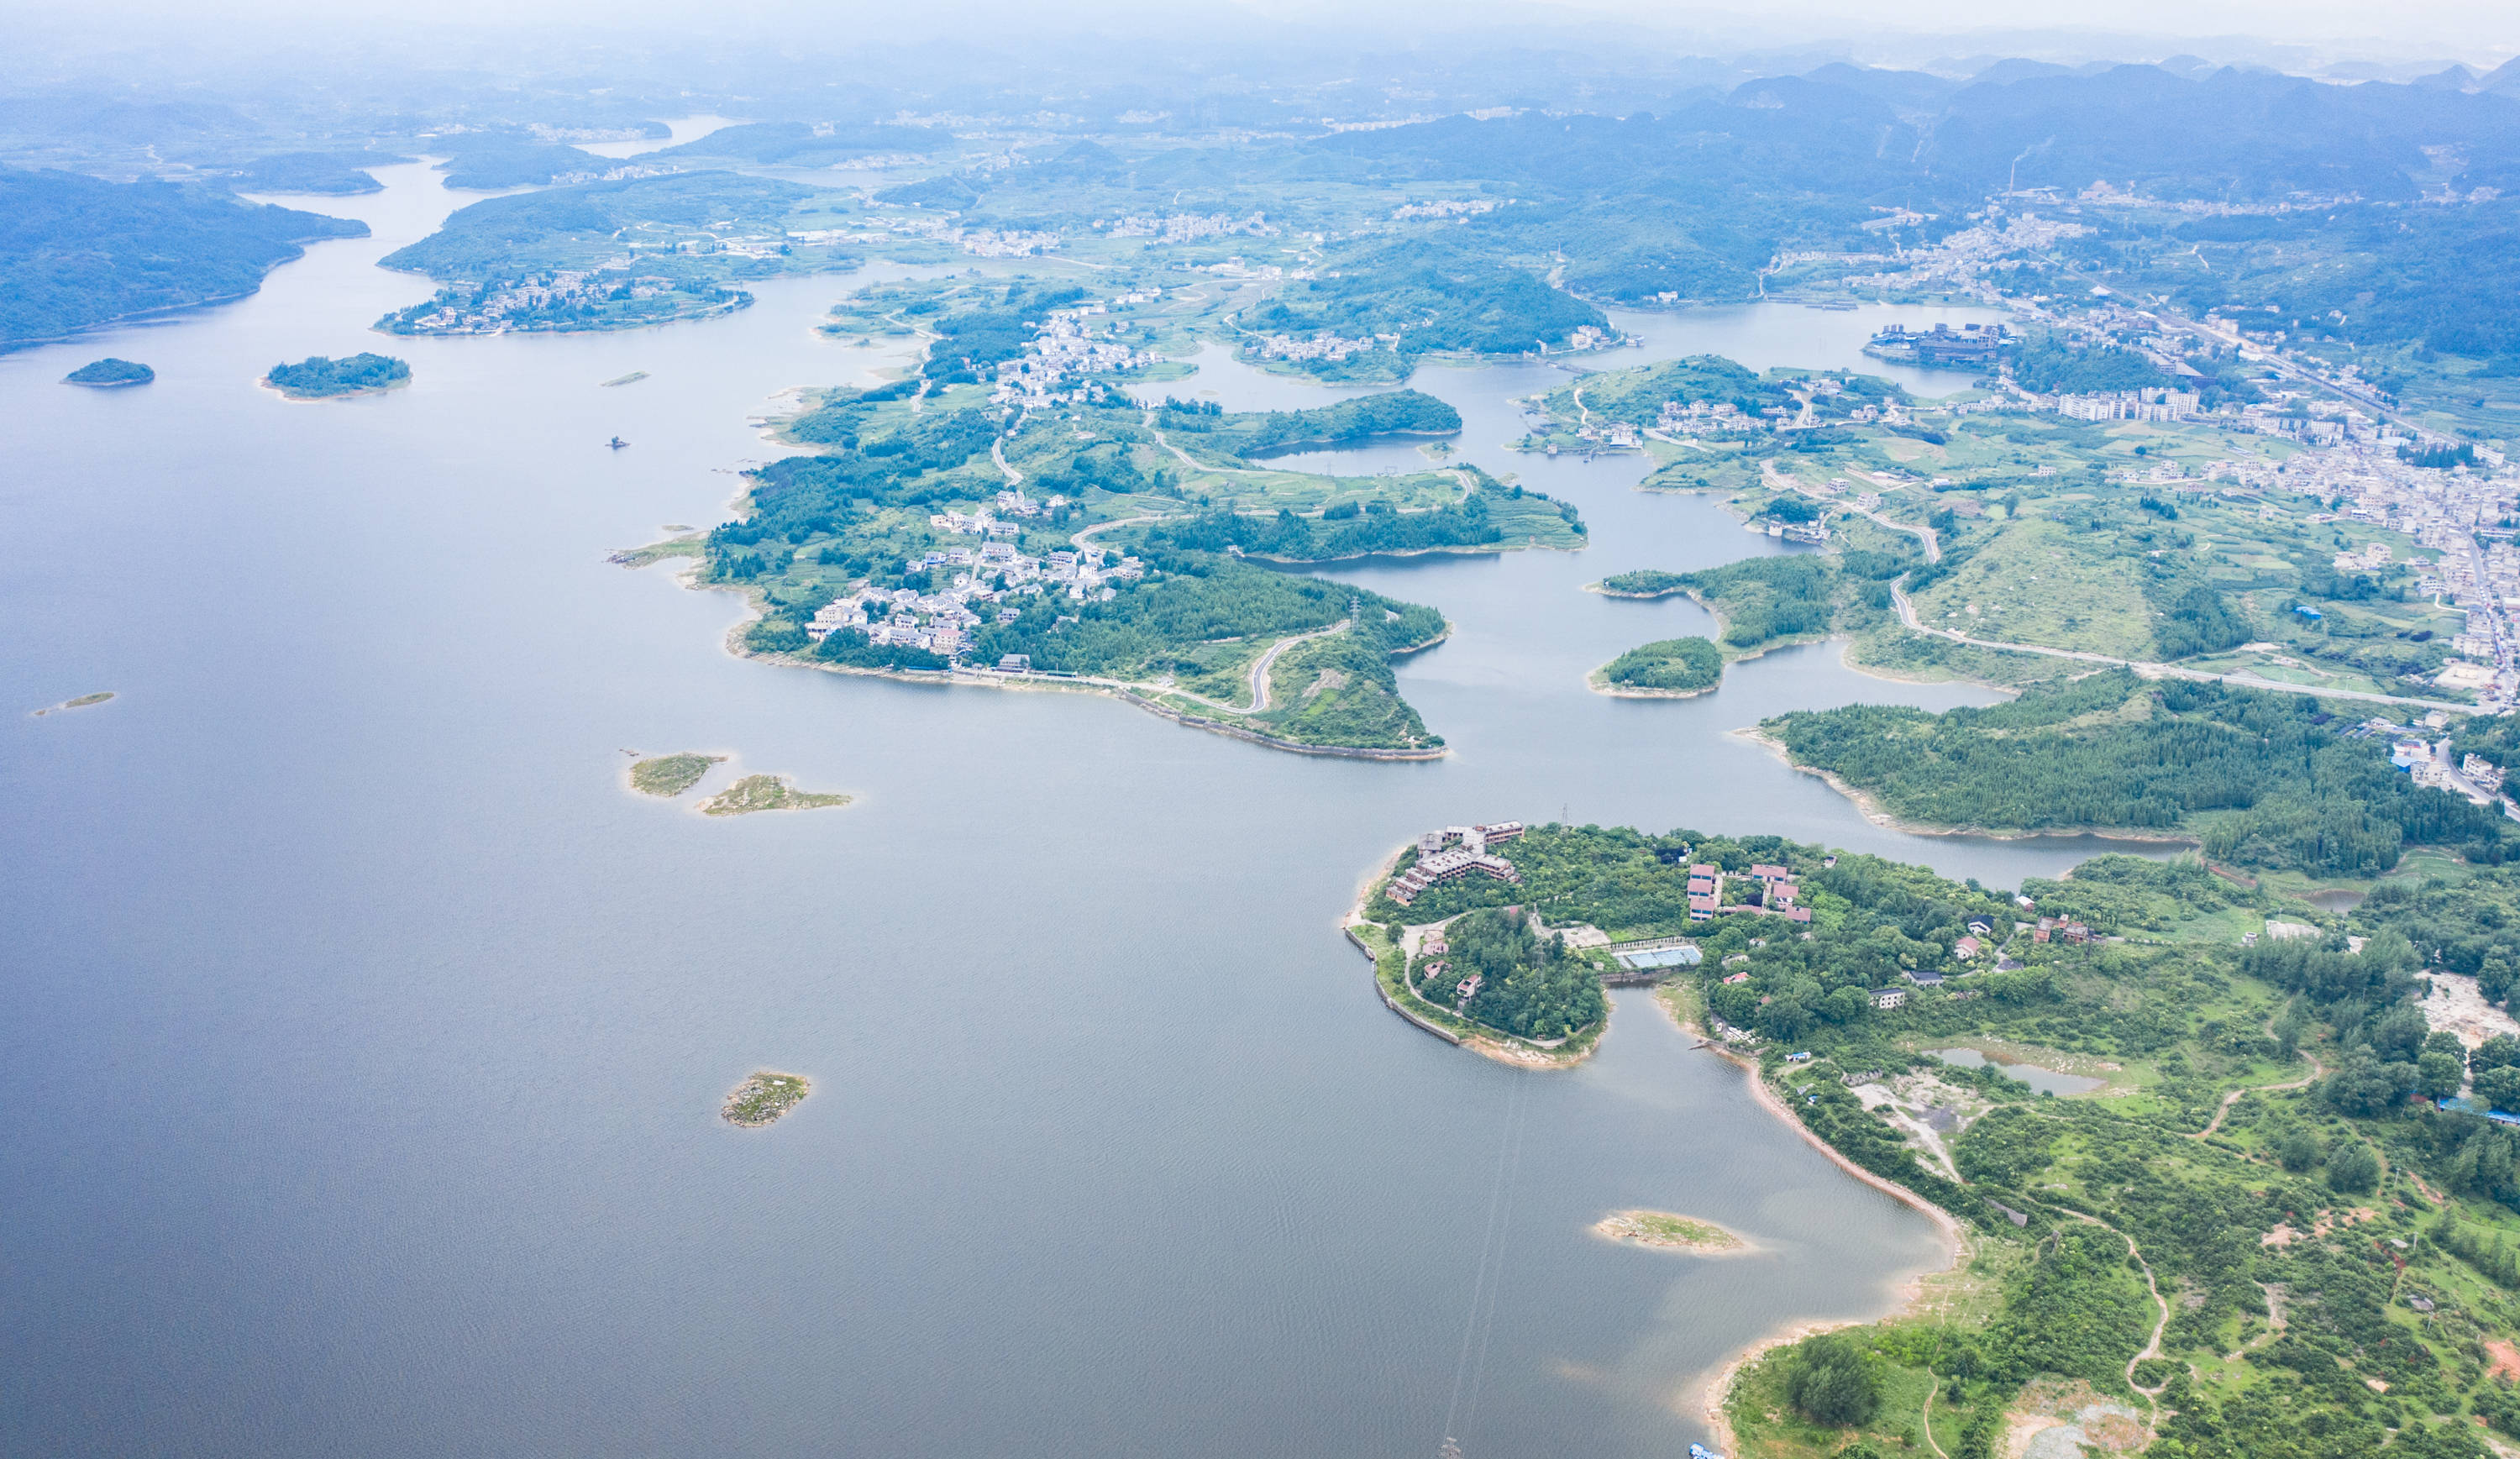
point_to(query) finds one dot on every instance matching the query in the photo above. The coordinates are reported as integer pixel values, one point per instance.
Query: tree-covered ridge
(2440, 278)
(2263, 778)
(578, 226)
(1637, 396)
(324, 173)
(1434, 297)
(1487, 517)
(76, 252)
(320, 375)
(487, 164)
(1670, 665)
(1258, 434)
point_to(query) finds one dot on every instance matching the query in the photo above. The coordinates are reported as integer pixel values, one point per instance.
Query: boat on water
(1701, 1451)
(616, 443)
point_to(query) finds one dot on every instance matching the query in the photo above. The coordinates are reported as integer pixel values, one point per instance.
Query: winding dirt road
(2151, 669)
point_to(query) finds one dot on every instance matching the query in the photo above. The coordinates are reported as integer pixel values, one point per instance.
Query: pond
(2044, 1081)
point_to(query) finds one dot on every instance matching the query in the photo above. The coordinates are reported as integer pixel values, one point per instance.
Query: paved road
(1266, 661)
(1932, 539)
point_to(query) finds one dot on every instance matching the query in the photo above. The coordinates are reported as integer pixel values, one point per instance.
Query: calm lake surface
(367, 1036)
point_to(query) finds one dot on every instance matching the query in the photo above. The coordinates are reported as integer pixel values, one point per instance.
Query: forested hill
(2263, 778)
(502, 236)
(1255, 434)
(77, 251)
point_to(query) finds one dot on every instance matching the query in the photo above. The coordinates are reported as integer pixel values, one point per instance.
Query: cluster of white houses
(987, 580)
(1452, 853)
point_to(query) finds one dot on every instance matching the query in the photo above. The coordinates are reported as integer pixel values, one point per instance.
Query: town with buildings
(1191, 228)
(557, 300)
(1322, 346)
(1062, 358)
(984, 584)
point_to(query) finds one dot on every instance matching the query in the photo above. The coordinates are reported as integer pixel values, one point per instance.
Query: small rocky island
(110, 374)
(766, 793)
(322, 377)
(761, 1100)
(82, 702)
(1664, 1232)
(669, 776)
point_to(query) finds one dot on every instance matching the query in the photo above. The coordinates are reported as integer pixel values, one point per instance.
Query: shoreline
(990, 679)
(1870, 807)
(1602, 687)
(1713, 1393)
(295, 397)
(1487, 1044)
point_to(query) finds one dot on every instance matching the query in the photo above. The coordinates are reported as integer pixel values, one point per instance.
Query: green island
(669, 776)
(1667, 668)
(1660, 1230)
(761, 1100)
(1004, 514)
(755, 793)
(110, 374)
(2273, 1217)
(322, 377)
(83, 701)
(2260, 778)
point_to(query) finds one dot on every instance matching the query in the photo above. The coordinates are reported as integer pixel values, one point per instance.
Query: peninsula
(764, 1097)
(2262, 1131)
(322, 377)
(1004, 515)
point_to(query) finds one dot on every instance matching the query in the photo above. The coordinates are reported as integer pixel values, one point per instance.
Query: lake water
(367, 1037)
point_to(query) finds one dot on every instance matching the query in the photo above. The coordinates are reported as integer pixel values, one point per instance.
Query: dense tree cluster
(2109, 750)
(1528, 984)
(1435, 297)
(1677, 665)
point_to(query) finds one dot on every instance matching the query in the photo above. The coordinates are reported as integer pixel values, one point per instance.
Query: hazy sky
(2482, 32)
